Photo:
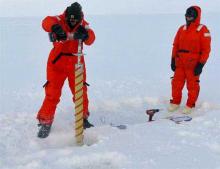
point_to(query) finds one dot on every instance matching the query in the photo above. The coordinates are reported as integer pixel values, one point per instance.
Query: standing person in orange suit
(67, 29)
(191, 48)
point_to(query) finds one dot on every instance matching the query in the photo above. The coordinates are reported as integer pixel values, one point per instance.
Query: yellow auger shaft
(79, 98)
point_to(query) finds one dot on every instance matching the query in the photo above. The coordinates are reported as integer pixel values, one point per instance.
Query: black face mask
(73, 20)
(191, 15)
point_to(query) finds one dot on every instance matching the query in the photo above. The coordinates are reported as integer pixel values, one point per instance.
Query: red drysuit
(61, 66)
(191, 46)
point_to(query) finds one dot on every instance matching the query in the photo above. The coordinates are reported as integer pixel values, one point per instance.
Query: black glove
(173, 65)
(81, 33)
(59, 32)
(198, 69)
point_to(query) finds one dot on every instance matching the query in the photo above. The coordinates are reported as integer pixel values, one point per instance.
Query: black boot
(87, 124)
(44, 130)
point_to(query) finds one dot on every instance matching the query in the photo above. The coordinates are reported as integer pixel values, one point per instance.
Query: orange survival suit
(60, 66)
(191, 48)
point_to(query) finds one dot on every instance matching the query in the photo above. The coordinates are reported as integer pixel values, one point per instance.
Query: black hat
(74, 10)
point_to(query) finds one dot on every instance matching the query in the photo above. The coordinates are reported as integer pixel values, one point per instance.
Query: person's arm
(49, 21)
(176, 43)
(205, 43)
(53, 24)
(175, 50)
(91, 34)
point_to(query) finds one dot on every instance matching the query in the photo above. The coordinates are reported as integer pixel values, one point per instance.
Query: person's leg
(193, 88)
(177, 86)
(53, 89)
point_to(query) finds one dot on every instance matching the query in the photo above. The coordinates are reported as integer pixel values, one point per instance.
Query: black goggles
(191, 12)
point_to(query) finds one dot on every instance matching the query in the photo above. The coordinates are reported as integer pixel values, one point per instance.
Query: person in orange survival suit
(191, 48)
(68, 28)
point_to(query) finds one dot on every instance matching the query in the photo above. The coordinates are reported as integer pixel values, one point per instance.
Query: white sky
(15, 8)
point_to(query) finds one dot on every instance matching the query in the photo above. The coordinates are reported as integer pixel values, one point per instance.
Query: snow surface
(128, 70)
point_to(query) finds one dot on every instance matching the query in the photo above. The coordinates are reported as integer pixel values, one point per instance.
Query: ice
(128, 69)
